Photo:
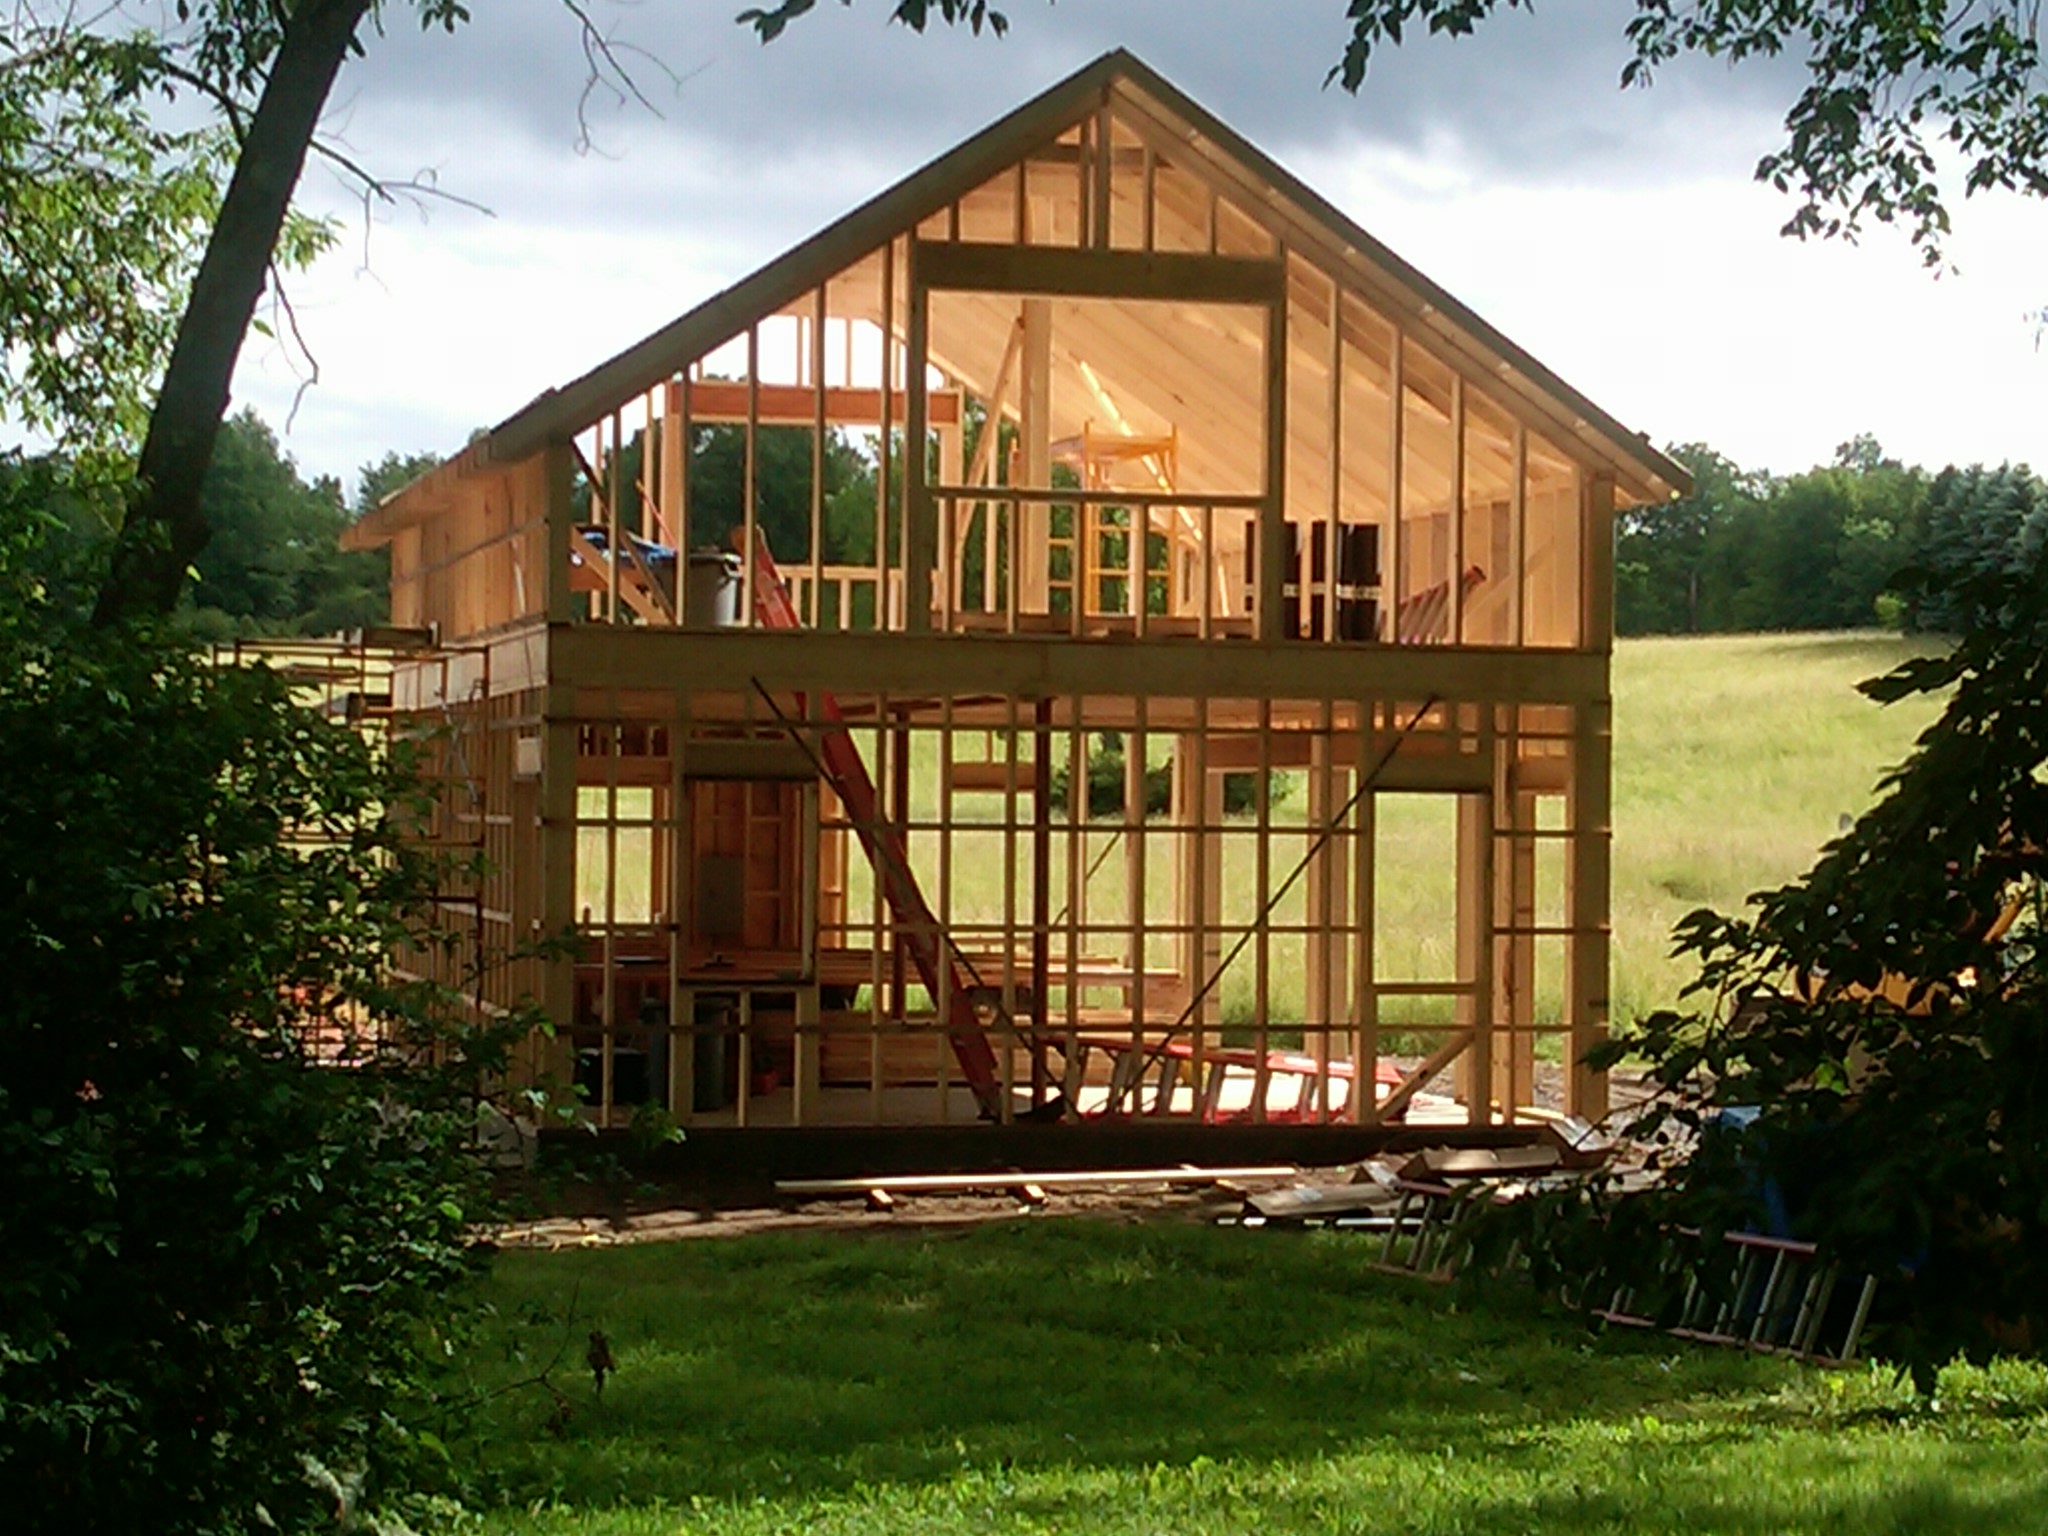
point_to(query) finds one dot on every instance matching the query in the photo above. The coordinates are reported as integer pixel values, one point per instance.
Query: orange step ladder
(916, 924)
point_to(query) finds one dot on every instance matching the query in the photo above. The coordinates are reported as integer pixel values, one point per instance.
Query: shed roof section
(1208, 189)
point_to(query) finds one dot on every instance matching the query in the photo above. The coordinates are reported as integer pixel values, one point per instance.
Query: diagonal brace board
(840, 756)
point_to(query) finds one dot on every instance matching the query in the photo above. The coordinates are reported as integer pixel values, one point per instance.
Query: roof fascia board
(424, 497)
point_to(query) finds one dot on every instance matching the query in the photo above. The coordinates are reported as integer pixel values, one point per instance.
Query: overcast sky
(1615, 235)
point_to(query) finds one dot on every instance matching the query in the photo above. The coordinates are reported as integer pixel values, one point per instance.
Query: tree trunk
(164, 530)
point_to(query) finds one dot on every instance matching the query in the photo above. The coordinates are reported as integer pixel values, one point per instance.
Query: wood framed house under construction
(1185, 490)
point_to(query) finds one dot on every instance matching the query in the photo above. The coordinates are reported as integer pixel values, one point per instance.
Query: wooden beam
(794, 405)
(863, 662)
(955, 1183)
(1055, 271)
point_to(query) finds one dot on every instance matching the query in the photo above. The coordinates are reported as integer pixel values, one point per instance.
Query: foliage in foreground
(1887, 1017)
(1073, 1375)
(239, 1162)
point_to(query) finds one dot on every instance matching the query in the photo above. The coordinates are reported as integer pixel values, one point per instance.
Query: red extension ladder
(916, 925)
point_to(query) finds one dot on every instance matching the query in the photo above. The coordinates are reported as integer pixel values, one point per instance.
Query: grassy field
(1068, 1375)
(1736, 757)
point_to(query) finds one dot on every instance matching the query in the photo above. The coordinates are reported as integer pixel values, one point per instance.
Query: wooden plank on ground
(956, 1183)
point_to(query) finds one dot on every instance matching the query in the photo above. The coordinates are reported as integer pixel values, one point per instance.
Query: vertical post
(1272, 520)
(1031, 558)
(1475, 958)
(883, 486)
(669, 497)
(1075, 938)
(1333, 537)
(1137, 745)
(1262, 892)
(751, 472)
(1588, 892)
(1012, 791)
(1518, 541)
(1396, 587)
(608, 985)
(682, 1044)
(920, 513)
(804, 1076)
(1596, 564)
(1365, 1055)
(953, 527)
(1041, 888)
(882, 929)
(1327, 908)
(819, 432)
(947, 972)
(1100, 201)
(614, 532)
(1149, 218)
(1454, 628)
(1209, 885)
(560, 469)
(1590, 812)
(558, 864)
(685, 435)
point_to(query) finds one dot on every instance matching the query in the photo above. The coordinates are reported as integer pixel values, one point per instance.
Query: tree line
(1746, 551)
(1822, 549)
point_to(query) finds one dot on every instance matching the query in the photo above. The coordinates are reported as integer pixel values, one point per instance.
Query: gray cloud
(755, 147)
(1531, 96)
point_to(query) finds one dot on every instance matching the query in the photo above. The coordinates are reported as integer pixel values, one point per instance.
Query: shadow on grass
(801, 1364)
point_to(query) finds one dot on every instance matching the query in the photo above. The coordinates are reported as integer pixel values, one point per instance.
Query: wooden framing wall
(1163, 447)
(1109, 932)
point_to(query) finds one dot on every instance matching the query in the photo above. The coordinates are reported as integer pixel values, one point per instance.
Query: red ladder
(916, 925)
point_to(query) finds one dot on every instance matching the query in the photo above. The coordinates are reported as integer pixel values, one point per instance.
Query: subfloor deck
(923, 1106)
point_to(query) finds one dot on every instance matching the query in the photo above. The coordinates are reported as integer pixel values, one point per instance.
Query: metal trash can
(711, 592)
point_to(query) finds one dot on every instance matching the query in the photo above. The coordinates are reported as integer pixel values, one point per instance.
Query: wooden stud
(1272, 525)
(1041, 890)
(560, 518)
(685, 441)
(883, 488)
(919, 516)
(819, 431)
(1454, 631)
(1395, 589)
(1029, 552)
(1364, 1102)
(1262, 882)
(1333, 537)
(1101, 199)
(750, 479)
(1518, 536)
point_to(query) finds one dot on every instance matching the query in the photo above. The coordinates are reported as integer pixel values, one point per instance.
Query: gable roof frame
(1171, 123)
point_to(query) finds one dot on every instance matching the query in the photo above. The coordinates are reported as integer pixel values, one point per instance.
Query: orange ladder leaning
(917, 926)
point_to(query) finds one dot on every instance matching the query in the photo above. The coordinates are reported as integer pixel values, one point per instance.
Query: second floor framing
(1102, 372)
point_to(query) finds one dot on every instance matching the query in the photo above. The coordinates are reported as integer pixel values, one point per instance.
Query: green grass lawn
(1735, 758)
(1082, 1376)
